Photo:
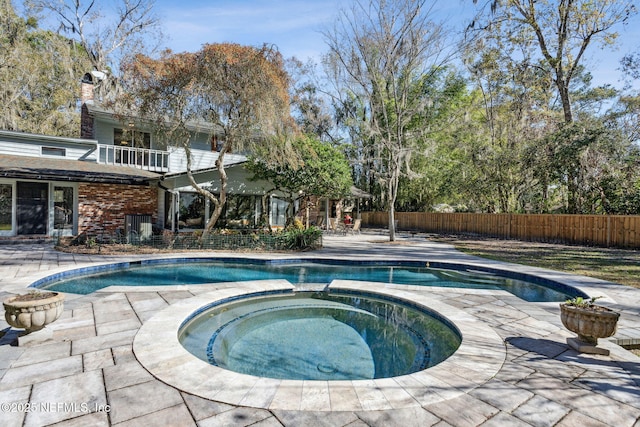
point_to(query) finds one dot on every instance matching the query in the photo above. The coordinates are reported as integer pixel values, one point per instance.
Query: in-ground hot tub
(478, 358)
(320, 336)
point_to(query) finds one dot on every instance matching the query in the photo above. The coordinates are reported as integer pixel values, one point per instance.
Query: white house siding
(103, 132)
(200, 159)
(23, 145)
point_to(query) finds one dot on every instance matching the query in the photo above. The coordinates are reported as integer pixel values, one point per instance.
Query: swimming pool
(193, 271)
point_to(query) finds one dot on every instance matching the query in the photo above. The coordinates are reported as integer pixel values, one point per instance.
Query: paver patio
(86, 373)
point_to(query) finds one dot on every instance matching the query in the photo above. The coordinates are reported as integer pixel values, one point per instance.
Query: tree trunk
(392, 226)
(222, 198)
(563, 90)
(217, 202)
(392, 212)
(572, 194)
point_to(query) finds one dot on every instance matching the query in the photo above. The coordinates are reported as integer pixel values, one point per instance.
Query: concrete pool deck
(86, 371)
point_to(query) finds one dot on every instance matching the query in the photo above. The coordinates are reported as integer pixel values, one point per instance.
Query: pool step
(317, 287)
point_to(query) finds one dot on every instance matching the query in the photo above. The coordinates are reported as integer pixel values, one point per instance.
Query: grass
(614, 265)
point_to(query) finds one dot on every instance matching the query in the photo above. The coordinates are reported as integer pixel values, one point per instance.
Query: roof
(97, 110)
(47, 138)
(359, 194)
(230, 160)
(23, 167)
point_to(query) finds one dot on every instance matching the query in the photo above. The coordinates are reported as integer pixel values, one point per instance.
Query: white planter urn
(590, 323)
(33, 311)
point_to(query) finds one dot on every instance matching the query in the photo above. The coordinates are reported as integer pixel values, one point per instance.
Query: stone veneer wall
(102, 207)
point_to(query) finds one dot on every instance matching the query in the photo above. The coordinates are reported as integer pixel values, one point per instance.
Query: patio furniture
(355, 227)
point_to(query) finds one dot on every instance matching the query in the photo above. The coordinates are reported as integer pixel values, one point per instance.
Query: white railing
(141, 158)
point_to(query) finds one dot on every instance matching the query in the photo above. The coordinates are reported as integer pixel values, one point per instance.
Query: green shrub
(301, 239)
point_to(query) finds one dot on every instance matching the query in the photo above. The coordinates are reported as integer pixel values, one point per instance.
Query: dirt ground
(126, 249)
(109, 249)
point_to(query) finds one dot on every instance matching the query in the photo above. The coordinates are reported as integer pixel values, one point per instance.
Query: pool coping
(477, 360)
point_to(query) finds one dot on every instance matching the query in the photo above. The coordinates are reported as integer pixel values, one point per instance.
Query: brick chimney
(86, 97)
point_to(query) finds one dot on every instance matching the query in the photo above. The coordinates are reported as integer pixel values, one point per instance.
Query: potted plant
(590, 321)
(33, 311)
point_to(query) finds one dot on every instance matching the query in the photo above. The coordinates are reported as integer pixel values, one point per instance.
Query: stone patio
(82, 369)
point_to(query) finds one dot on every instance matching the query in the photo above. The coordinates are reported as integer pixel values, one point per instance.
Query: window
(6, 203)
(126, 141)
(216, 143)
(63, 208)
(239, 211)
(51, 151)
(278, 212)
(191, 210)
(131, 138)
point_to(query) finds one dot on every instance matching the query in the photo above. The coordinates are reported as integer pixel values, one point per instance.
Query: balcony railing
(140, 158)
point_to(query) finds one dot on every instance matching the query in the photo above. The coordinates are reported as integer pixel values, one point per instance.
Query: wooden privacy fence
(597, 230)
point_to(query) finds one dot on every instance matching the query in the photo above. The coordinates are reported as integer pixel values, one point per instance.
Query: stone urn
(33, 311)
(590, 322)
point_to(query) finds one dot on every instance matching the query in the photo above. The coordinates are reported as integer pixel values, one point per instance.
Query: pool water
(319, 336)
(196, 271)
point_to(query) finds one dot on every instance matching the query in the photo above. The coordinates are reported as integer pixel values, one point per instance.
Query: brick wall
(317, 207)
(102, 207)
(86, 89)
(86, 123)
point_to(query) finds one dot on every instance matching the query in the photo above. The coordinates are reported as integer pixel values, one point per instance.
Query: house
(115, 179)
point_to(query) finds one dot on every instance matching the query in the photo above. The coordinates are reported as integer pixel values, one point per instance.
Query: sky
(294, 27)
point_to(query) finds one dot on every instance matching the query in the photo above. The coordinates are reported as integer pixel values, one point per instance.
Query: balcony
(140, 158)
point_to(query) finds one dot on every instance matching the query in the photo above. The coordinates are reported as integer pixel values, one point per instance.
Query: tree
(621, 189)
(562, 31)
(627, 113)
(631, 66)
(585, 157)
(39, 71)
(514, 106)
(236, 94)
(547, 42)
(443, 172)
(106, 36)
(311, 113)
(382, 54)
(319, 168)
